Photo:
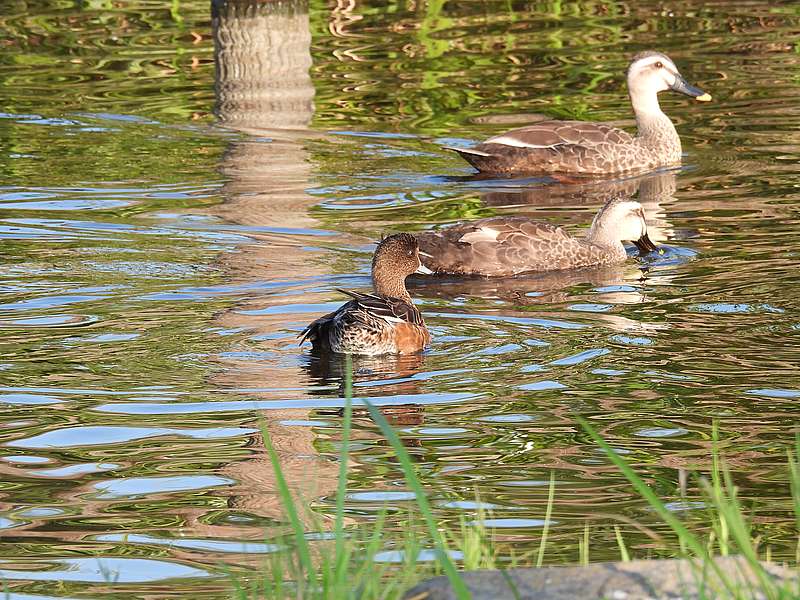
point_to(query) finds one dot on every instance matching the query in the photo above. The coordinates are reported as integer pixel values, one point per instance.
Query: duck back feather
(559, 147)
(369, 324)
(503, 246)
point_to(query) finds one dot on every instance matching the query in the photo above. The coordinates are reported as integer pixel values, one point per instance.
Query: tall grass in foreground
(730, 527)
(344, 565)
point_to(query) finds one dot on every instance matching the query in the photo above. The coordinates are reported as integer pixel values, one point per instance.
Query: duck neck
(599, 235)
(656, 131)
(388, 282)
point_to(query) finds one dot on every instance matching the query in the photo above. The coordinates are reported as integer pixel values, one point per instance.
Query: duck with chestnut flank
(505, 246)
(385, 322)
(593, 149)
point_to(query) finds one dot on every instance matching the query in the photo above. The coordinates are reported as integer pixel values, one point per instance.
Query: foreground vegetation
(346, 565)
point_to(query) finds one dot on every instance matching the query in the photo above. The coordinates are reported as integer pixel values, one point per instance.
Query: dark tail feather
(476, 158)
(306, 334)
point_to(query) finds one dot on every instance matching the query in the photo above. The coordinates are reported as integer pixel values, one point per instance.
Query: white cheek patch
(506, 140)
(484, 234)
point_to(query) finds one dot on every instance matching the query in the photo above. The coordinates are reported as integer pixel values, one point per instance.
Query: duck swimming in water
(592, 149)
(385, 322)
(505, 246)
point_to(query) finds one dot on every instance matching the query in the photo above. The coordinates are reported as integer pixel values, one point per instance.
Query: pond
(166, 235)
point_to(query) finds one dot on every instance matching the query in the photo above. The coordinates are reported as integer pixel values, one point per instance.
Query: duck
(579, 148)
(509, 245)
(383, 322)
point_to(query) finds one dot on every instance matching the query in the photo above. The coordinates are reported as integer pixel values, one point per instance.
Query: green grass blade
(340, 556)
(511, 585)
(623, 550)
(303, 551)
(794, 481)
(459, 587)
(691, 541)
(583, 546)
(548, 512)
(731, 508)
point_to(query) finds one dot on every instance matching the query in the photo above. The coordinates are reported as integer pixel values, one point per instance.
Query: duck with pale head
(506, 246)
(595, 149)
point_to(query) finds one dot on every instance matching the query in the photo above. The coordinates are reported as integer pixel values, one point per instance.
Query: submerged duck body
(591, 149)
(505, 246)
(384, 322)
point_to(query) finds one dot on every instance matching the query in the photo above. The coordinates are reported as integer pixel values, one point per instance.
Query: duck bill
(645, 244)
(423, 270)
(684, 87)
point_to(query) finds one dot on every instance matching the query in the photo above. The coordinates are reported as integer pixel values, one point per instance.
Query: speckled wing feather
(501, 246)
(386, 307)
(555, 133)
(369, 324)
(559, 147)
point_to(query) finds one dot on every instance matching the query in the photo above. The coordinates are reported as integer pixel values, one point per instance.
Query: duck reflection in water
(390, 376)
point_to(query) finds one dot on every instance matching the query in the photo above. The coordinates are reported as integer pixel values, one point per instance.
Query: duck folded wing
(552, 134)
(385, 307)
(551, 147)
(495, 247)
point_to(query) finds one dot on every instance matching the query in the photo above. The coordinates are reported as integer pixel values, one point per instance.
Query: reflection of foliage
(131, 59)
(436, 66)
(432, 22)
(507, 51)
(412, 217)
(93, 147)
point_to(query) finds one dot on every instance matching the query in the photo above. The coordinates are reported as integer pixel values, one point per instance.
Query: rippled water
(156, 269)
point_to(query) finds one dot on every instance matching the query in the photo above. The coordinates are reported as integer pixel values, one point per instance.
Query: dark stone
(636, 580)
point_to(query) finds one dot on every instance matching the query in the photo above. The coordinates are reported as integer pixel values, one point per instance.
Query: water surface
(163, 244)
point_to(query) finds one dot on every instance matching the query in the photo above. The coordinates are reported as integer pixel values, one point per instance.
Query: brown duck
(582, 148)
(385, 322)
(504, 246)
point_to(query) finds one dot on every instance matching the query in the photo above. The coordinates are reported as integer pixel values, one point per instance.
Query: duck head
(652, 72)
(396, 257)
(622, 221)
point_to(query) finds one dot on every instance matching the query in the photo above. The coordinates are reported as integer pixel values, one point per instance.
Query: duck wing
(498, 247)
(385, 307)
(553, 147)
(364, 310)
(551, 134)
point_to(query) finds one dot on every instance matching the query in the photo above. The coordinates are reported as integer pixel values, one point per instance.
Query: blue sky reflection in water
(157, 267)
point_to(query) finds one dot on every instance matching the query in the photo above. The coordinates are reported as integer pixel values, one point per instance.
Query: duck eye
(659, 65)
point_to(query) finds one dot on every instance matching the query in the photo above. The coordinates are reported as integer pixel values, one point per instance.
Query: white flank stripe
(466, 151)
(510, 141)
(484, 234)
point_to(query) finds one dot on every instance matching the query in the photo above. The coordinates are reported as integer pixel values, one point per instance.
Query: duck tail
(477, 158)
(307, 334)
(467, 151)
